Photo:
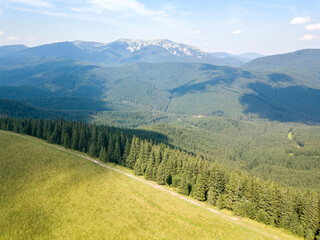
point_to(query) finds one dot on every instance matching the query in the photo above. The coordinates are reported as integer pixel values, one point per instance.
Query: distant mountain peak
(134, 45)
(175, 48)
(90, 45)
(7, 49)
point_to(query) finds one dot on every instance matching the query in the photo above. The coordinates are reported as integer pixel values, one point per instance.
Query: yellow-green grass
(46, 193)
(290, 135)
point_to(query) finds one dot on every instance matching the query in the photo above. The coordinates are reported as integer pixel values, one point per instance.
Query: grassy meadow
(46, 193)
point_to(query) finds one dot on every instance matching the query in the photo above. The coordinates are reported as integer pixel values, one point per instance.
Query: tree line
(247, 196)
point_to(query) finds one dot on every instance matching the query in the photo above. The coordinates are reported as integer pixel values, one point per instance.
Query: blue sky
(267, 27)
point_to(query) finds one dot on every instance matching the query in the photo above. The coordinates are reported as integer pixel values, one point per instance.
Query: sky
(234, 26)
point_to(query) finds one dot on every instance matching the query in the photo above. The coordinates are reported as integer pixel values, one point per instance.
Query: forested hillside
(303, 65)
(20, 109)
(264, 201)
(260, 148)
(172, 88)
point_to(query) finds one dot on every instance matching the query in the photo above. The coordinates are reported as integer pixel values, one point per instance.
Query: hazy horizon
(278, 26)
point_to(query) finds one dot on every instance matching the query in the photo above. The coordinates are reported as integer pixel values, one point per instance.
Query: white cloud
(119, 10)
(312, 27)
(112, 12)
(300, 20)
(35, 3)
(85, 17)
(1, 33)
(123, 5)
(309, 37)
(239, 31)
(197, 32)
(31, 39)
(185, 13)
(169, 7)
(12, 38)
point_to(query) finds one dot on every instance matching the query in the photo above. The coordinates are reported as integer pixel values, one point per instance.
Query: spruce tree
(75, 139)
(221, 201)
(110, 149)
(211, 198)
(66, 141)
(149, 169)
(232, 191)
(184, 185)
(93, 135)
(92, 150)
(83, 143)
(116, 155)
(103, 154)
(161, 176)
(138, 167)
(100, 140)
(39, 132)
(133, 155)
(199, 191)
(126, 152)
(309, 217)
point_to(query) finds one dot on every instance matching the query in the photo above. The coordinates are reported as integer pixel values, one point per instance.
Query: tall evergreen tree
(100, 139)
(103, 154)
(199, 191)
(126, 152)
(184, 185)
(161, 175)
(110, 148)
(75, 139)
(150, 165)
(133, 155)
(66, 141)
(138, 167)
(83, 143)
(116, 155)
(92, 150)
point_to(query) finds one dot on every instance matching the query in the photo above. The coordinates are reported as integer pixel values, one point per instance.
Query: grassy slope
(50, 194)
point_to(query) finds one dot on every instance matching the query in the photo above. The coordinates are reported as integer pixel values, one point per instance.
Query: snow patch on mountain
(177, 49)
(174, 48)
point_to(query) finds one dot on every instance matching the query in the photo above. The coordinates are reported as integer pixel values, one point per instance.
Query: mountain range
(161, 75)
(118, 52)
(236, 60)
(126, 51)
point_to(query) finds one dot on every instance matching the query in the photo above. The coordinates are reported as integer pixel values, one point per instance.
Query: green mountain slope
(306, 57)
(20, 109)
(47, 193)
(303, 65)
(9, 49)
(173, 88)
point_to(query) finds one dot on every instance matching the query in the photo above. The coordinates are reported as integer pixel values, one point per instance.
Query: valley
(136, 119)
(253, 123)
